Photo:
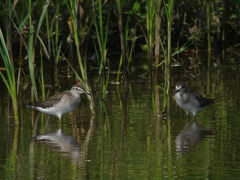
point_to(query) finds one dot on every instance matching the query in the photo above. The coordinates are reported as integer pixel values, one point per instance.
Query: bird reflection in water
(190, 136)
(62, 143)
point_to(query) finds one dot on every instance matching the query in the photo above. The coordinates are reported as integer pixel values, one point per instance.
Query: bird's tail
(211, 101)
(31, 106)
(207, 102)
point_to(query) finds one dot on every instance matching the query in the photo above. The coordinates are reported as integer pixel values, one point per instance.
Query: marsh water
(129, 138)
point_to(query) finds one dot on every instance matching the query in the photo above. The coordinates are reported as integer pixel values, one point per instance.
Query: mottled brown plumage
(61, 103)
(51, 101)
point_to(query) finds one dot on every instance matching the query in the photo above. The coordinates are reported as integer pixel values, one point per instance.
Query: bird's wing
(198, 96)
(202, 100)
(49, 102)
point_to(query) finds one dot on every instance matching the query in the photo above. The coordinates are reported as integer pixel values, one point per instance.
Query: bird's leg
(59, 123)
(195, 118)
(188, 116)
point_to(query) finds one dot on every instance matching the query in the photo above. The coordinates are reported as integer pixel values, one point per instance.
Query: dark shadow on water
(191, 135)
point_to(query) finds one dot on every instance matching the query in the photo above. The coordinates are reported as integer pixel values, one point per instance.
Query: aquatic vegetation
(9, 79)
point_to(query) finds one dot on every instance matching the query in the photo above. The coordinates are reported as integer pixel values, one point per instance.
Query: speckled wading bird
(61, 103)
(190, 101)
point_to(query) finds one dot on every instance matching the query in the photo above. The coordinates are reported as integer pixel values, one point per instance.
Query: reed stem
(9, 79)
(120, 28)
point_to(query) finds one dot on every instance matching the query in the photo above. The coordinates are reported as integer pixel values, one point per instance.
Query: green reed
(48, 33)
(192, 39)
(130, 40)
(31, 50)
(208, 4)
(151, 11)
(168, 8)
(101, 31)
(127, 41)
(33, 36)
(122, 39)
(42, 76)
(157, 38)
(73, 7)
(97, 19)
(53, 32)
(9, 78)
(57, 47)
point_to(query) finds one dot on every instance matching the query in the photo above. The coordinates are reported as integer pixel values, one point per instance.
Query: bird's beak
(88, 93)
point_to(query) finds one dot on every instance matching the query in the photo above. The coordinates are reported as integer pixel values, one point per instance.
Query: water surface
(128, 138)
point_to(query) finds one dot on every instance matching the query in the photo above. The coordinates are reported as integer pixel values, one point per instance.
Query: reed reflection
(191, 135)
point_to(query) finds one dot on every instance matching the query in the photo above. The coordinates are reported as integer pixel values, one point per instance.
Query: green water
(128, 139)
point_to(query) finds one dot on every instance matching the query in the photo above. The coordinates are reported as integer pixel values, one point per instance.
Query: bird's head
(78, 89)
(179, 86)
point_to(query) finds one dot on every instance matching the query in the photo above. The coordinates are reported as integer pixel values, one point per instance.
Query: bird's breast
(178, 98)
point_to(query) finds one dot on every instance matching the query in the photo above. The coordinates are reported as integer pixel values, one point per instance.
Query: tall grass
(151, 12)
(42, 76)
(122, 39)
(31, 51)
(53, 31)
(94, 20)
(130, 40)
(208, 4)
(101, 31)
(9, 78)
(157, 39)
(73, 9)
(168, 8)
(33, 36)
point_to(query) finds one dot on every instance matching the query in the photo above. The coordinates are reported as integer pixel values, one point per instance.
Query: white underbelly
(59, 110)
